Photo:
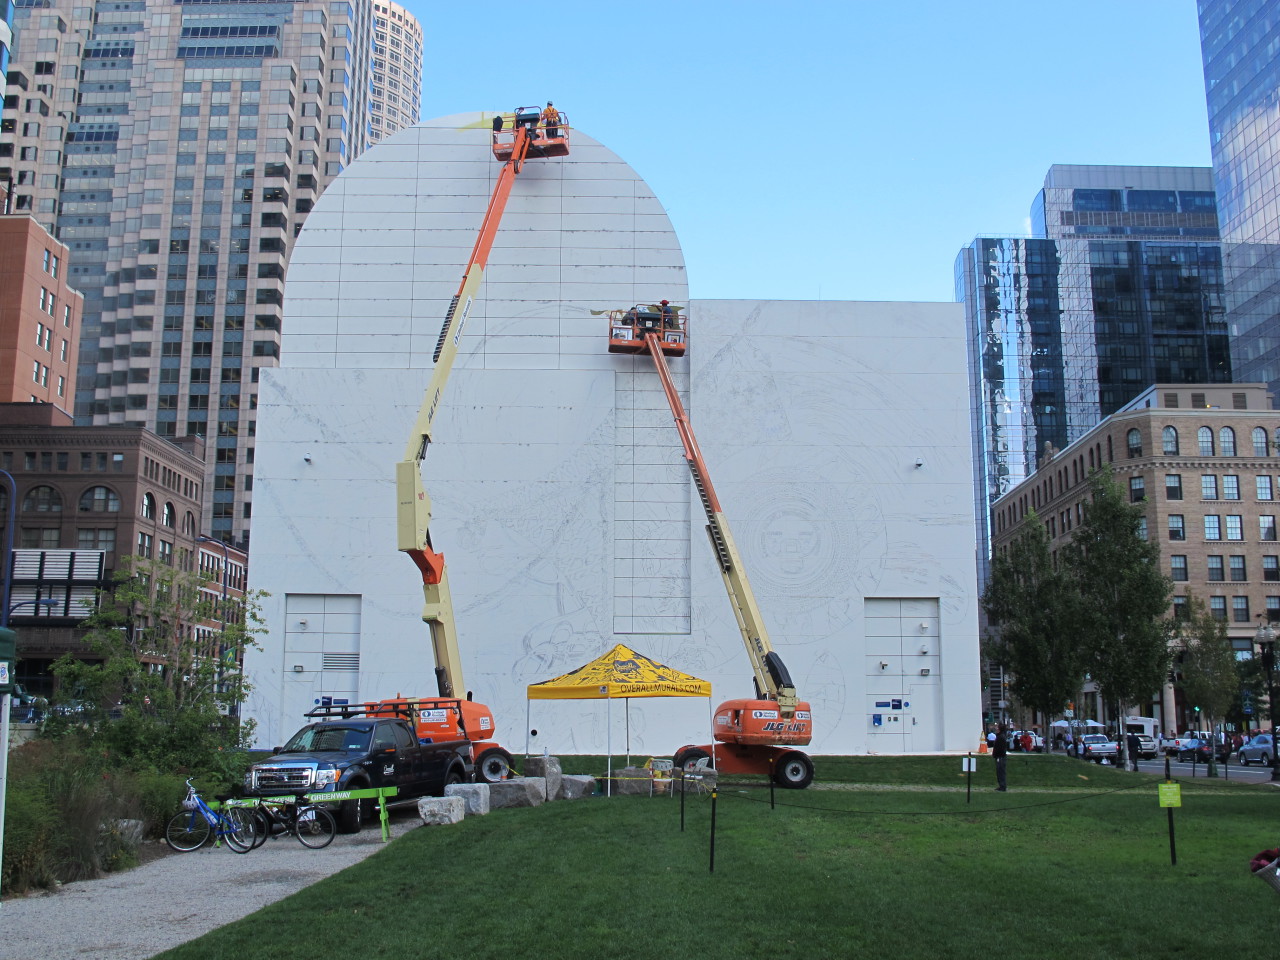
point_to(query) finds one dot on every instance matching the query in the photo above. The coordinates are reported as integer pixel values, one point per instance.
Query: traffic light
(1196, 709)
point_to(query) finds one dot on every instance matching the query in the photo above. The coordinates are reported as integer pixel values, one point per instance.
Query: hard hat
(548, 103)
(664, 303)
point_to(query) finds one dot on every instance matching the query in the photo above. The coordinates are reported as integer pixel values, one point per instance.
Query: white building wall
(559, 492)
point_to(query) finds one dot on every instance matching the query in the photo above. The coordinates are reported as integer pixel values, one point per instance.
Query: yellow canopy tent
(622, 673)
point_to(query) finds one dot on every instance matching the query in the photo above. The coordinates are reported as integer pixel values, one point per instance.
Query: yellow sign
(1170, 794)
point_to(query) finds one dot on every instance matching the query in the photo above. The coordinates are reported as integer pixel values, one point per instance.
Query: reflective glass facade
(1239, 40)
(1066, 328)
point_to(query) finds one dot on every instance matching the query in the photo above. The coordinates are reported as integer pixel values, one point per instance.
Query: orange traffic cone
(982, 747)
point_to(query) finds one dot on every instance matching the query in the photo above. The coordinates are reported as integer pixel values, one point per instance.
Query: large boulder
(436, 811)
(632, 780)
(574, 787)
(474, 795)
(520, 792)
(549, 769)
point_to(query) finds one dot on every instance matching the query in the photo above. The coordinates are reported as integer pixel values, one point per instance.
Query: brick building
(39, 316)
(1204, 461)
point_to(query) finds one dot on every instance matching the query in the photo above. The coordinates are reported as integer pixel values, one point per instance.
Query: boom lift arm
(413, 512)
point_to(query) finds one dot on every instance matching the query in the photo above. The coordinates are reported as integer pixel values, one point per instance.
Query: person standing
(551, 121)
(1131, 744)
(999, 751)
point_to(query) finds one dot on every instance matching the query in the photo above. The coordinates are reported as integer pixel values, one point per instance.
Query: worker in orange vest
(551, 120)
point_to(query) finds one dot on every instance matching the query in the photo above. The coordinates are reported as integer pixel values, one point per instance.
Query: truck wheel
(493, 765)
(793, 770)
(352, 813)
(687, 759)
(453, 776)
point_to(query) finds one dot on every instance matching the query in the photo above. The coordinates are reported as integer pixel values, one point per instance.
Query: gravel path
(141, 912)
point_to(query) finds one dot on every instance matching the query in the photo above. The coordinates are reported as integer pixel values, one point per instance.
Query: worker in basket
(669, 316)
(551, 120)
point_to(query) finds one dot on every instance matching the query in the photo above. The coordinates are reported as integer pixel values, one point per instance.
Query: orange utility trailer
(756, 735)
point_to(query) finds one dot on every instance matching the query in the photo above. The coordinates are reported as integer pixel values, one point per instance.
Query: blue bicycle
(197, 822)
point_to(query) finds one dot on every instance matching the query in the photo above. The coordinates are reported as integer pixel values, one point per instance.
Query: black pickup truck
(360, 753)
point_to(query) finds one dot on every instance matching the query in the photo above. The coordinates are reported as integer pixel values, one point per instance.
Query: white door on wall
(922, 722)
(902, 674)
(321, 650)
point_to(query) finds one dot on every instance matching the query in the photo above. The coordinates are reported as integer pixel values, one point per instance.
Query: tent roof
(620, 673)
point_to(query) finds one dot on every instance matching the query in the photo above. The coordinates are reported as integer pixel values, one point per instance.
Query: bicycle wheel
(239, 829)
(261, 827)
(187, 831)
(315, 827)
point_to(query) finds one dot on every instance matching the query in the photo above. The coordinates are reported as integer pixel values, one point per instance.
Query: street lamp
(1265, 638)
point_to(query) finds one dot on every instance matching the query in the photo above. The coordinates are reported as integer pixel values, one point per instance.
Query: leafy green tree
(1123, 596)
(1210, 678)
(160, 680)
(1031, 606)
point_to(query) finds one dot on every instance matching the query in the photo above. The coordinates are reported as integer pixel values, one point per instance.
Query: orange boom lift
(755, 735)
(452, 715)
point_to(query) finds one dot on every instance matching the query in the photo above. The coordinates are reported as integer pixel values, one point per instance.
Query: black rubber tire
(453, 776)
(261, 827)
(187, 831)
(793, 770)
(1242, 761)
(685, 759)
(493, 766)
(1264, 760)
(316, 827)
(353, 813)
(243, 830)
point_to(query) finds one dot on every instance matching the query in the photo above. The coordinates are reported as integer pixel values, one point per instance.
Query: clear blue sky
(837, 150)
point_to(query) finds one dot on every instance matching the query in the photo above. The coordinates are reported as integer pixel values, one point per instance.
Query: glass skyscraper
(1121, 287)
(1239, 40)
(176, 149)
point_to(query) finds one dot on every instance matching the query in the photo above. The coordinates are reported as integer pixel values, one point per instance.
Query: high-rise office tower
(1238, 40)
(395, 99)
(1120, 288)
(176, 150)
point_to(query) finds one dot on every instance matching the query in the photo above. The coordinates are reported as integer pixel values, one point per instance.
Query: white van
(1143, 725)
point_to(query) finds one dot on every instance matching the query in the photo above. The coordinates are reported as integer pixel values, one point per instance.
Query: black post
(1173, 847)
(968, 779)
(772, 805)
(683, 791)
(713, 830)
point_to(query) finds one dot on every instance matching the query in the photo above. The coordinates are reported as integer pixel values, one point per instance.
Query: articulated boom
(413, 511)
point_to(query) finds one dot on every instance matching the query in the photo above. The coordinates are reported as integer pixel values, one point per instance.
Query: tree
(161, 679)
(1210, 679)
(1123, 596)
(1031, 605)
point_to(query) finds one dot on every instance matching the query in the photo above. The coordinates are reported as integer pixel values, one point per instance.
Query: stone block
(520, 792)
(632, 780)
(574, 787)
(130, 831)
(474, 795)
(436, 811)
(549, 769)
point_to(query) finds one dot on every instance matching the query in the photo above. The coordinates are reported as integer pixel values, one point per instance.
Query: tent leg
(608, 737)
(627, 705)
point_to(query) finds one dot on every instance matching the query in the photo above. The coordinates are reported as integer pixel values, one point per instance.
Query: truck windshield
(322, 738)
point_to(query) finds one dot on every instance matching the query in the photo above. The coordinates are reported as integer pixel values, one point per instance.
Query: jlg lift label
(780, 726)
(764, 714)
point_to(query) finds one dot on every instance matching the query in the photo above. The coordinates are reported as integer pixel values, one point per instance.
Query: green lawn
(893, 872)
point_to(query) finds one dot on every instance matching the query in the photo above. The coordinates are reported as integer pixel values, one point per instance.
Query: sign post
(1170, 796)
(968, 765)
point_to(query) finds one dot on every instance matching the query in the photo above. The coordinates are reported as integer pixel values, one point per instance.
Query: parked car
(1097, 747)
(1200, 750)
(1147, 748)
(1174, 746)
(1260, 749)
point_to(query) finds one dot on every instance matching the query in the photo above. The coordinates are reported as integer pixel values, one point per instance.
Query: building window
(1134, 440)
(1227, 441)
(1178, 567)
(1170, 441)
(1137, 489)
(1205, 437)
(148, 506)
(1259, 442)
(168, 517)
(42, 499)
(1271, 567)
(96, 539)
(1142, 528)
(145, 542)
(1235, 527)
(1208, 487)
(100, 500)
(1218, 608)
(165, 555)
(1177, 531)
(1173, 486)
(1273, 609)
(1266, 528)
(41, 538)
(1240, 609)
(1263, 487)
(1230, 487)
(1180, 609)
(1212, 527)
(1214, 565)
(1238, 570)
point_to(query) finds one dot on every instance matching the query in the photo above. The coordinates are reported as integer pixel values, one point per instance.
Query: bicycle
(192, 827)
(311, 823)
